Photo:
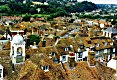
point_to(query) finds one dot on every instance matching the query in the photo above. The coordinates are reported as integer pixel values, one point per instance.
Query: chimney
(1, 46)
(44, 43)
(72, 63)
(91, 58)
(7, 30)
(27, 42)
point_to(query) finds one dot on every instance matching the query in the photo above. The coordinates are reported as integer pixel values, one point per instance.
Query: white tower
(17, 52)
(1, 72)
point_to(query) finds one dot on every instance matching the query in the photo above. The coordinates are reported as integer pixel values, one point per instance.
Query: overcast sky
(101, 1)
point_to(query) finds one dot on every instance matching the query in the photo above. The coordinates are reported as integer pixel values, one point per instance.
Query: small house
(112, 64)
(109, 32)
(44, 65)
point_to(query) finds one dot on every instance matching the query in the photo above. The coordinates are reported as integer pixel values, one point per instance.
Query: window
(53, 53)
(97, 44)
(19, 51)
(19, 59)
(56, 60)
(105, 34)
(79, 55)
(0, 73)
(101, 51)
(64, 58)
(45, 67)
(105, 44)
(81, 46)
(67, 49)
(105, 50)
(108, 50)
(108, 34)
(13, 50)
(113, 49)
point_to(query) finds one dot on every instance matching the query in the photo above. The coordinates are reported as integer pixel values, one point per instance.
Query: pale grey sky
(101, 1)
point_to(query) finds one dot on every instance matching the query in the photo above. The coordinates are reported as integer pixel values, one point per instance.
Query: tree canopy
(34, 38)
(55, 7)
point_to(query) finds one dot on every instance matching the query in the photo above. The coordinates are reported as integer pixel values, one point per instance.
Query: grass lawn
(37, 15)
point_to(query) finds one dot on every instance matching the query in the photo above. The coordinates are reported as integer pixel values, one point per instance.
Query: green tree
(5, 9)
(114, 22)
(34, 38)
(26, 17)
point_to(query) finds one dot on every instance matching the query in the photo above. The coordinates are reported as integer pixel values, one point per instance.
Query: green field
(37, 15)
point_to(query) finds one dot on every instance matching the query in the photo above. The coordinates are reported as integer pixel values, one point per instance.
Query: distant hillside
(59, 8)
(106, 5)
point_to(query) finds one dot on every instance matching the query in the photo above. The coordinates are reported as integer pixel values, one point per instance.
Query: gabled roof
(64, 43)
(111, 29)
(48, 50)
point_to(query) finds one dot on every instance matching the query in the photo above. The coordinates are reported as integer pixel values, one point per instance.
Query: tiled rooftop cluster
(65, 48)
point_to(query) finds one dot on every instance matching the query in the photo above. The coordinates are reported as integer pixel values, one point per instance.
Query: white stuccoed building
(113, 64)
(1, 72)
(17, 52)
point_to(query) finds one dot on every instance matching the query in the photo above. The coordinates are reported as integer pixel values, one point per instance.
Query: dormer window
(45, 68)
(81, 46)
(97, 45)
(53, 53)
(66, 49)
(56, 60)
(92, 48)
(105, 44)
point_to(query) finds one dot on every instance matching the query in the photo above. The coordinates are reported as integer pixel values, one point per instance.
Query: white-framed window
(64, 58)
(81, 46)
(79, 55)
(105, 44)
(113, 49)
(45, 68)
(66, 49)
(53, 53)
(1, 72)
(12, 50)
(97, 45)
(105, 50)
(97, 52)
(19, 51)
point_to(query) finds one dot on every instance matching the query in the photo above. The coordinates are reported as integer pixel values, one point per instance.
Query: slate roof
(111, 29)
